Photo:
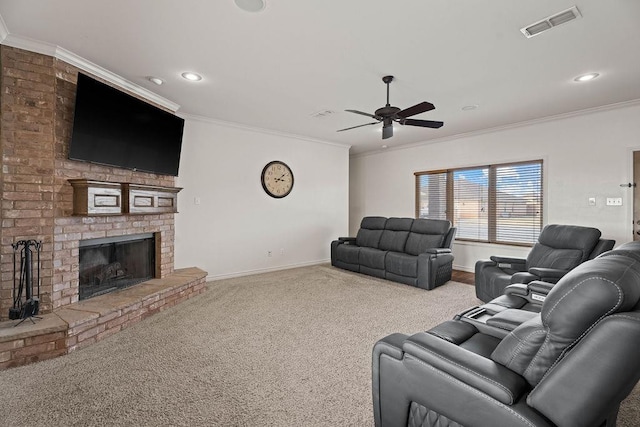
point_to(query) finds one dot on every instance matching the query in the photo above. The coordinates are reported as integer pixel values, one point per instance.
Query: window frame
(492, 217)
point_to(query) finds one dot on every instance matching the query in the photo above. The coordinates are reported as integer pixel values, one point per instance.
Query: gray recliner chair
(570, 365)
(559, 249)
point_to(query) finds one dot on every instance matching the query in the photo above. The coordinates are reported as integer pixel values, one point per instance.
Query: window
(496, 203)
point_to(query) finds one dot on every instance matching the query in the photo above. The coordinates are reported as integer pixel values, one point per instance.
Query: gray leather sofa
(559, 249)
(415, 252)
(571, 364)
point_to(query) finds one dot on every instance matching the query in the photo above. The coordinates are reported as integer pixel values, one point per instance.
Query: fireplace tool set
(26, 303)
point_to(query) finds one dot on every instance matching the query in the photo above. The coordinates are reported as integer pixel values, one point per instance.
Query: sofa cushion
(395, 234)
(372, 258)
(426, 234)
(570, 236)
(402, 264)
(562, 259)
(563, 246)
(348, 253)
(370, 231)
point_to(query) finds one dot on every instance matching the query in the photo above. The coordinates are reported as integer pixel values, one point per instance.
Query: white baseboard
(211, 278)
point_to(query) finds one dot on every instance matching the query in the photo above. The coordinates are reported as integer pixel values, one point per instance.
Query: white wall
(236, 223)
(585, 155)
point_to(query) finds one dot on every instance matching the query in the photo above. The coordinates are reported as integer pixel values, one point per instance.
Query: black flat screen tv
(113, 128)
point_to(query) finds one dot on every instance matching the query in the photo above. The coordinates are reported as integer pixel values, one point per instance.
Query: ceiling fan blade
(422, 123)
(387, 131)
(416, 109)
(362, 114)
(359, 126)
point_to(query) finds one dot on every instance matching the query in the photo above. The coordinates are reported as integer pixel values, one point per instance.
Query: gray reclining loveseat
(415, 252)
(571, 364)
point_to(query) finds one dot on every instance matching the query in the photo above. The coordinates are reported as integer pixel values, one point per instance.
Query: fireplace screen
(115, 263)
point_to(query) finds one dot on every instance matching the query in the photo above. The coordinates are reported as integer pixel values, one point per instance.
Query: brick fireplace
(37, 103)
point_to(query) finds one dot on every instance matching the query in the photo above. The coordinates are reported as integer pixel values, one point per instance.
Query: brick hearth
(37, 103)
(81, 324)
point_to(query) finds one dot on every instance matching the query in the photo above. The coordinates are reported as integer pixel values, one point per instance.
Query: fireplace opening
(114, 263)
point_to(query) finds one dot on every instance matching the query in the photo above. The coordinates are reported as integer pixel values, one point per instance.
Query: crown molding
(517, 125)
(31, 45)
(261, 130)
(3, 30)
(98, 71)
(77, 61)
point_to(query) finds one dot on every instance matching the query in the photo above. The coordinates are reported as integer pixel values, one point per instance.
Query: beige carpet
(290, 348)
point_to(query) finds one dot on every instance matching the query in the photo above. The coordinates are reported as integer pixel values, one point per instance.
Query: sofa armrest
(534, 292)
(470, 368)
(519, 289)
(548, 273)
(434, 268)
(389, 346)
(519, 262)
(540, 287)
(438, 251)
(347, 240)
(510, 318)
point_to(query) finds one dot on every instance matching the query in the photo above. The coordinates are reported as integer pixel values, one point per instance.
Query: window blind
(495, 203)
(431, 195)
(518, 202)
(471, 203)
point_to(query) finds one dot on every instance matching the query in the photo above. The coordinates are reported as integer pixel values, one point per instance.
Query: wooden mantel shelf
(92, 198)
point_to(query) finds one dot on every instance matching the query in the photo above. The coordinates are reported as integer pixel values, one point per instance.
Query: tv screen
(113, 128)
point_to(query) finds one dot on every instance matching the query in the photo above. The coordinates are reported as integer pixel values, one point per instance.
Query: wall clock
(277, 179)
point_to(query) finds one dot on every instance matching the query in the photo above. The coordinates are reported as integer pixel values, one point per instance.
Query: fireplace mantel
(91, 198)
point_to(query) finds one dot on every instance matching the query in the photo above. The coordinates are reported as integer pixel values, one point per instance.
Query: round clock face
(277, 179)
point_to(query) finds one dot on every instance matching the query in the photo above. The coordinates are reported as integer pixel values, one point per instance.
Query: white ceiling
(274, 69)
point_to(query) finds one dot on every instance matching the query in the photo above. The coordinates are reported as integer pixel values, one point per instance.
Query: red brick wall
(38, 95)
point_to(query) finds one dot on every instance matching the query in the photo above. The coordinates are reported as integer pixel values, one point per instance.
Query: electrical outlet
(614, 201)
(592, 201)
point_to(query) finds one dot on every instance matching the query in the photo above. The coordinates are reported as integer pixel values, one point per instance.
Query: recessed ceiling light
(155, 80)
(385, 146)
(192, 76)
(251, 5)
(586, 77)
(469, 107)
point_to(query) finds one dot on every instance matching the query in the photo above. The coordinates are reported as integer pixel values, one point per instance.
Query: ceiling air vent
(551, 21)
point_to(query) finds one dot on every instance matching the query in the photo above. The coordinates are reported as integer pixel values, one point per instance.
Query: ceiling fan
(389, 114)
